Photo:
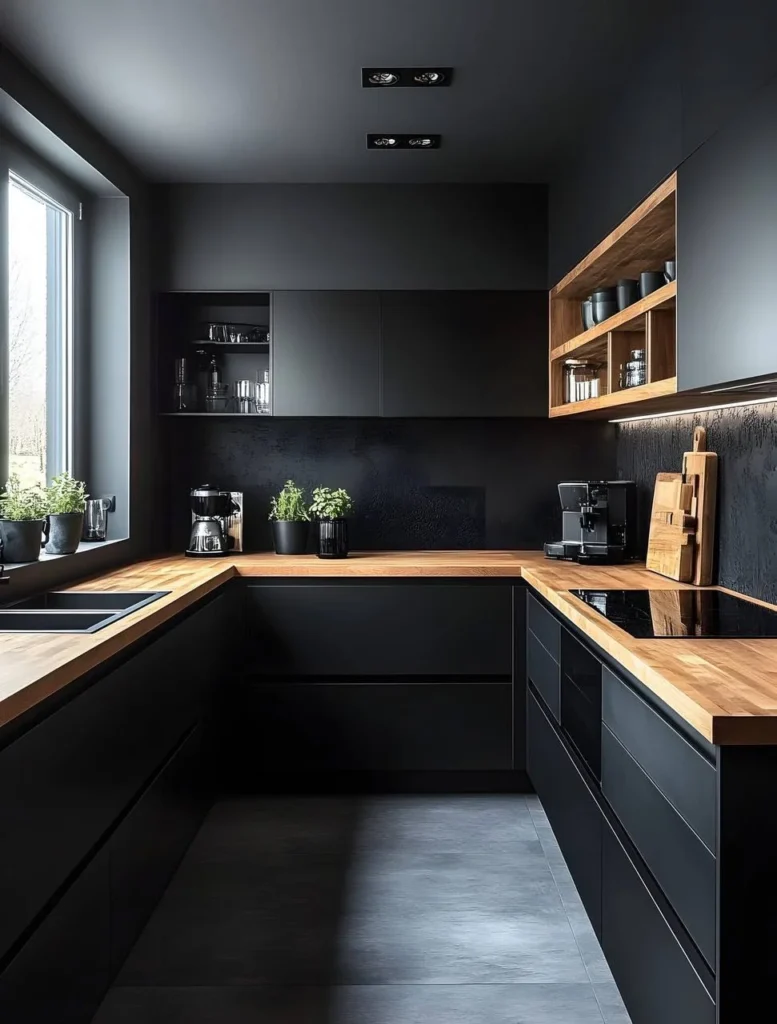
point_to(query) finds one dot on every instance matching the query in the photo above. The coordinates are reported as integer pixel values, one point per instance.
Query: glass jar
(581, 380)
(217, 398)
(636, 369)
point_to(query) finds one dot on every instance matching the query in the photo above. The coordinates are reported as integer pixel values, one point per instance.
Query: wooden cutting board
(671, 543)
(700, 470)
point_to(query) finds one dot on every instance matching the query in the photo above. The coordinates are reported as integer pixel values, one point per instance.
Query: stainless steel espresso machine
(599, 522)
(217, 522)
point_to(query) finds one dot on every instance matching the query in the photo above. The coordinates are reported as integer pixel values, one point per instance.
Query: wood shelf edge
(661, 297)
(664, 190)
(642, 395)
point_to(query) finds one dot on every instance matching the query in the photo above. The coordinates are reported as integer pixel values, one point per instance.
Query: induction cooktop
(659, 614)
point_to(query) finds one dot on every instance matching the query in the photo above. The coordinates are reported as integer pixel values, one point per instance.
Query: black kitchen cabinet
(464, 353)
(380, 630)
(326, 353)
(657, 980)
(727, 256)
(571, 808)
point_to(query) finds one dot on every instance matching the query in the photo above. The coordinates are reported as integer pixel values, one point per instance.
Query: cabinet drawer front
(314, 727)
(654, 975)
(684, 776)
(572, 811)
(681, 864)
(544, 672)
(393, 630)
(545, 627)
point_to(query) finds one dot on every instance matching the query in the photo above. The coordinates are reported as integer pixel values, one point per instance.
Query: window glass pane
(39, 334)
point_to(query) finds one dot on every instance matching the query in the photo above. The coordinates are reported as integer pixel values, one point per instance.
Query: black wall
(253, 237)
(745, 439)
(430, 483)
(710, 57)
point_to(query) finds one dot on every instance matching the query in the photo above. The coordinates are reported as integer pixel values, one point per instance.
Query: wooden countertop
(725, 689)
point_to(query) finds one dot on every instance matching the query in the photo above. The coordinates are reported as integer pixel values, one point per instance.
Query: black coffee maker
(599, 522)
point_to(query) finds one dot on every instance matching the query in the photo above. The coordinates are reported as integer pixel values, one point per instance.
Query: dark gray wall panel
(248, 237)
(416, 483)
(746, 442)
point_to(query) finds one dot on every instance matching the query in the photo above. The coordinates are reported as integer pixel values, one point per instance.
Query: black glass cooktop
(656, 614)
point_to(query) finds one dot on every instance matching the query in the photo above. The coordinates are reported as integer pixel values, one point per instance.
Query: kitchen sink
(73, 611)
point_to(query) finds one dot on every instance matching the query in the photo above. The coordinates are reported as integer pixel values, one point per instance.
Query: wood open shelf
(644, 241)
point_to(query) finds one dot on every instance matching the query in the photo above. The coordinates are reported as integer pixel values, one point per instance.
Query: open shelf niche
(642, 242)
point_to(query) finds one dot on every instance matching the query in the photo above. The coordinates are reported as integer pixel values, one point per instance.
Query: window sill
(84, 548)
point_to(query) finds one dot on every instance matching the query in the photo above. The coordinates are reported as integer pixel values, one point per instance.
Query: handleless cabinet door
(465, 353)
(326, 353)
(727, 251)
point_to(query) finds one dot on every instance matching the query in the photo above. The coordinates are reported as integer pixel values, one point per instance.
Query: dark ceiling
(269, 90)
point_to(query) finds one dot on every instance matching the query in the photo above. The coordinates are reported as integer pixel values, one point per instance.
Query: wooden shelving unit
(642, 242)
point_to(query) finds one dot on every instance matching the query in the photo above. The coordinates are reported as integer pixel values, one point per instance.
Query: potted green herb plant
(66, 501)
(290, 520)
(330, 509)
(23, 522)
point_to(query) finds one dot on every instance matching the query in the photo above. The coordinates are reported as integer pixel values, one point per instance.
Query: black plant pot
(332, 538)
(65, 529)
(290, 538)
(21, 539)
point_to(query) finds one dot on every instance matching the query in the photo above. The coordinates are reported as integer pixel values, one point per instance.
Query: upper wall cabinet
(464, 353)
(727, 251)
(326, 353)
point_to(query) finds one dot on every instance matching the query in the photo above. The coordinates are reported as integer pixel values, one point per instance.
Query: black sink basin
(73, 611)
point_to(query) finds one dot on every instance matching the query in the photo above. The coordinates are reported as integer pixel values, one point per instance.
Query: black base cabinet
(571, 809)
(656, 979)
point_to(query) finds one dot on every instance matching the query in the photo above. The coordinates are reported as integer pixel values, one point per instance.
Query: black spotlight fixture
(419, 78)
(392, 140)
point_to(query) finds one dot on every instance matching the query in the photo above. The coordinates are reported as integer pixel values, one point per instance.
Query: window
(39, 361)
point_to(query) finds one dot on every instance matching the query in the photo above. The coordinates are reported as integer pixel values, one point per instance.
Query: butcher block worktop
(725, 689)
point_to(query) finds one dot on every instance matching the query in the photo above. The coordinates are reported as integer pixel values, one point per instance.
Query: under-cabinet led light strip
(704, 408)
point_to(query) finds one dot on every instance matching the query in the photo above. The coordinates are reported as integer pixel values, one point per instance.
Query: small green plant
(64, 495)
(329, 504)
(289, 506)
(22, 503)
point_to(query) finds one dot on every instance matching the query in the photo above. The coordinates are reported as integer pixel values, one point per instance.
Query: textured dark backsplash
(745, 439)
(424, 483)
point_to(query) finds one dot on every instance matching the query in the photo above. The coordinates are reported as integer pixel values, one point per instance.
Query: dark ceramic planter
(65, 529)
(290, 538)
(22, 539)
(332, 538)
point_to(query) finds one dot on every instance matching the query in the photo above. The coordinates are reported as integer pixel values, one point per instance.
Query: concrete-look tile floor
(384, 910)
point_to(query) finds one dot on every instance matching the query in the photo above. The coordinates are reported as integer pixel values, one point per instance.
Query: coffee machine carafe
(598, 522)
(217, 522)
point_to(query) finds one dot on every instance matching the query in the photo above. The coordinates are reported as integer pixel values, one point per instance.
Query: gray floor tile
(611, 1004)
(590, 950)
(370, 1004)
(450, 948)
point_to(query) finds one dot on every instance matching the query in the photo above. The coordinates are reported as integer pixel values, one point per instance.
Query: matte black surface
(312, 727)
(702, 614)
(727, 309)
(653, 973)
(681, 864)
(581, 700)
(54, 622)
(77, 599)
(571, 809)
(62, 971)
(520, 677)
(544, 672)
(545, 626)
(326, 354)
(416, 484)
(401, 629)
(464, 354)
(682, 774)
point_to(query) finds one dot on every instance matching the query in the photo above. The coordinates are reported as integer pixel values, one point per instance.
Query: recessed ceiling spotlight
(384, 78)
(387, 141)
(420, 78)
(429, 78)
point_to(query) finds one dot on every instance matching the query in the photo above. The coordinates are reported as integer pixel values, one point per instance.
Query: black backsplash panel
(745, 439)
(426, 483)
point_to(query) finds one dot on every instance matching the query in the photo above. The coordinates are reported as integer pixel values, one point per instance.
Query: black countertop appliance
(598, 522)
